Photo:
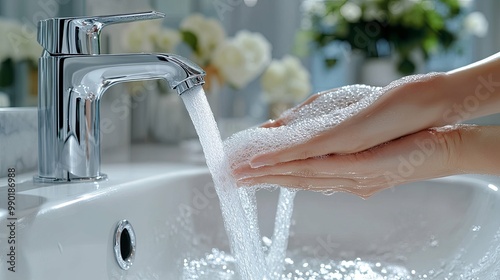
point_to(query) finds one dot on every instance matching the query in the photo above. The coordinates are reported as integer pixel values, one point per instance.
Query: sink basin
(438, 228)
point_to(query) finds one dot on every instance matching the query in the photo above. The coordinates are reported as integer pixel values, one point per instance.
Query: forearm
(480, 150)
(473, 90)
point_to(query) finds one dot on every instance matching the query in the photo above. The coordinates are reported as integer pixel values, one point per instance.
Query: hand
(429, 153)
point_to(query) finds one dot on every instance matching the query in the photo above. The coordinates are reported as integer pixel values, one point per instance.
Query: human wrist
(478, 151)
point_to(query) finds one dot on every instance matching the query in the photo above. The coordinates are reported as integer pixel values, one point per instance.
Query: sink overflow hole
(124, 244)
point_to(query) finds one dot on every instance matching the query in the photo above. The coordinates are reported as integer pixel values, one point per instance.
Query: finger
(319, 167)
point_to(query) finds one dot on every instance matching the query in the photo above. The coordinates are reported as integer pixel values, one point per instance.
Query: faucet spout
(95, 74)
(70, 89)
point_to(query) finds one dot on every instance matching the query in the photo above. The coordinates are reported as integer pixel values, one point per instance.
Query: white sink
(442, 226)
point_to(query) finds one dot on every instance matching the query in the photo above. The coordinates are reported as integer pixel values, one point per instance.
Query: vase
(381, 71)
(378, 71)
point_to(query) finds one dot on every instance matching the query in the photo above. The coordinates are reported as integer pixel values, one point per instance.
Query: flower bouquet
(379, 28)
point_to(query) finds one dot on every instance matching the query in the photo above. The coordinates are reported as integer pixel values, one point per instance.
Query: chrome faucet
(73, 76)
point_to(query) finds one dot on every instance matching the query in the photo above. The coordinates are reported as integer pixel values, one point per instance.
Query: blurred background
(261, 56)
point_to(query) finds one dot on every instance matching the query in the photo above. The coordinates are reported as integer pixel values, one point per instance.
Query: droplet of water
(433, 242)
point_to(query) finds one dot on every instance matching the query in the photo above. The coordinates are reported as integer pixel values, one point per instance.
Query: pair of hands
(408, 134)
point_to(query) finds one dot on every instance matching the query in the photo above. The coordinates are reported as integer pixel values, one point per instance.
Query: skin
(409, 134)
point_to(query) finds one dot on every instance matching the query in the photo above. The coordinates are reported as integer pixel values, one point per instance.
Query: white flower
(149, 36)
(166, 40)
(139, 37)
(476, 24)
(285, 80)
(242, 58)
(274, 81)
(209, 33)
(350, 11)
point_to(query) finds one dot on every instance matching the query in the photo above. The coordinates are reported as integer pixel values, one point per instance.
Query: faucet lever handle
(81, 35)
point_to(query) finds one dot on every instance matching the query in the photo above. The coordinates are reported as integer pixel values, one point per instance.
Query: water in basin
(437, 229)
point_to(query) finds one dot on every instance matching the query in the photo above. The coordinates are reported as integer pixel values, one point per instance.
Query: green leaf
(406, 66)
(190, 39)
(6, 73)
(447, 39)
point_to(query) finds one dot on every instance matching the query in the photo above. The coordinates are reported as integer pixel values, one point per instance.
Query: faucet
(72, 78)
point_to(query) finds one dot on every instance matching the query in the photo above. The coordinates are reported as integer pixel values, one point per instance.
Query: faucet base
(46, 180)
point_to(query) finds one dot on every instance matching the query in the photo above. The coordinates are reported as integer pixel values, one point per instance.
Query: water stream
(238, 205)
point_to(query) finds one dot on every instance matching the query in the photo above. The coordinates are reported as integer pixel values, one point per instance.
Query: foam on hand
(301, 124)
(304, 123)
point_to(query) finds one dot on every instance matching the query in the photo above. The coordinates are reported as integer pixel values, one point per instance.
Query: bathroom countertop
(187, 152)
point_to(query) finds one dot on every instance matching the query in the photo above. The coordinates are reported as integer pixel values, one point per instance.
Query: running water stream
(238, 205)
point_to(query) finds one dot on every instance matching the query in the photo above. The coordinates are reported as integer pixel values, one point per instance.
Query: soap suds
(302, 124)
